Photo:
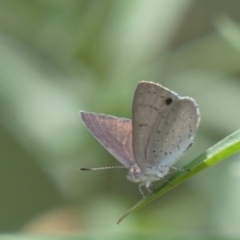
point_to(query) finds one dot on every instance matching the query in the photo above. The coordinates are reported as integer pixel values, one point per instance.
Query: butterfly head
(135, 174)
(148, 176)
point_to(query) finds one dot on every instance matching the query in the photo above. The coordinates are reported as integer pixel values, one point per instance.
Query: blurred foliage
(57, 57)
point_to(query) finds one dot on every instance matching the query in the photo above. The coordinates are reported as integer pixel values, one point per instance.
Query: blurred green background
(61, 56)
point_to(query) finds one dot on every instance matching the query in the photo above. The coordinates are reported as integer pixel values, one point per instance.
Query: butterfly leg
(167, 181)
(164, 179)
(149, 189)
(179, 169)
(140, 190)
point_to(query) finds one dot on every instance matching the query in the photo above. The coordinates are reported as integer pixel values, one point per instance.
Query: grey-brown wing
(164, 125)
(115, 134)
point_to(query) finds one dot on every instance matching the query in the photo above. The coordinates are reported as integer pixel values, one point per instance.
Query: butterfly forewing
(115, 134)
(163, 125)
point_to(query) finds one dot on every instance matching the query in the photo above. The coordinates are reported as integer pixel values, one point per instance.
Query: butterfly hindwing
(164, 125)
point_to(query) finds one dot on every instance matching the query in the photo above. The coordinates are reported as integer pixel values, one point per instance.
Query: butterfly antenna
(101, 168)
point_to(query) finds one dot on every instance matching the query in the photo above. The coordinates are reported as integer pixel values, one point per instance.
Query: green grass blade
(223, 149)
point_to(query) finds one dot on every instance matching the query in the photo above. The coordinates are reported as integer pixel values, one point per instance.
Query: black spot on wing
(168, 101)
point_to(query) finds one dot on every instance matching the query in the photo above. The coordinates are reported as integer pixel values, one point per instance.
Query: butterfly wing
(164, 125)
(115, 134)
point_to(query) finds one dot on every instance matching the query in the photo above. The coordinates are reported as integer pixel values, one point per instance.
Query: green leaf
(223, 149)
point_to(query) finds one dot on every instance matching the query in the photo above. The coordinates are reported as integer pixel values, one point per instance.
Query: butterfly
(162, 128)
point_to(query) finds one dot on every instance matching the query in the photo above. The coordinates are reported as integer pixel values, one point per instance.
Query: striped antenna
(101, 168)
